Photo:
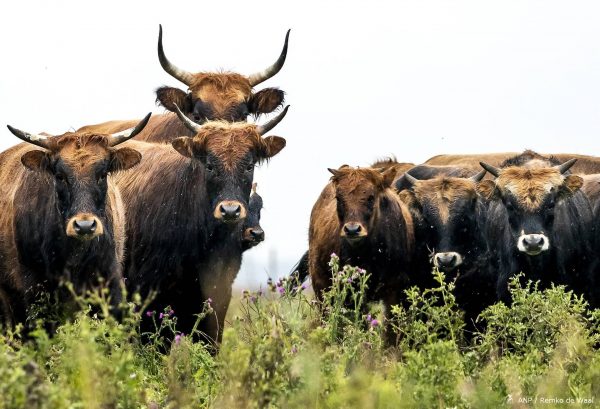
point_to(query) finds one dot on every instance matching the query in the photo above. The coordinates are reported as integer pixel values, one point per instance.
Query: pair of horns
(261, 129)
(561, 168)
(43, 141)
(475, 178)
(187, 77)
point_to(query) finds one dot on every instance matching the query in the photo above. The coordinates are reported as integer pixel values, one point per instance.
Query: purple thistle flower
(304, 286)
(161, 315)
(349, 280)
(374, 323)
(281, 290)
(294, 349)
(178, 338)
(369, 318)
(209, 301)
(253, 298)
(171, 312)
(149, 313)
(333, 255)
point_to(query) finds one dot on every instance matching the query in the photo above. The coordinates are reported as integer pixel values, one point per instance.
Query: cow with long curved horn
(209, 96)
(62, 217)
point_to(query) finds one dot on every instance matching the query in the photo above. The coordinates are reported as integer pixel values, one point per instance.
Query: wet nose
(446, 260)
(533, 242)
(257, 234)
(352, 229)
(84, 227)
(230, 211)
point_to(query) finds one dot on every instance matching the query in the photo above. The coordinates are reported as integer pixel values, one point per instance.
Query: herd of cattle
(171, 211)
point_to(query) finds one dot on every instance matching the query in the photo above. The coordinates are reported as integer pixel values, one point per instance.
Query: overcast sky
(364, 80)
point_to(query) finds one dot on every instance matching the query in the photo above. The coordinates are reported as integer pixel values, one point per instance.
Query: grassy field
(279, 350)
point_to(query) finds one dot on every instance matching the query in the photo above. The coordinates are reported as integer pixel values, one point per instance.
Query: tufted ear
(265, 101)
(388, 177)
(488, 190)
(273, 145)
(168, 97)
(123, 159)
(571, 184)
(36, 160)
(410, 200)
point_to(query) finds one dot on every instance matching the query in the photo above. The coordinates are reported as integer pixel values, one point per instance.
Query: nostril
(84, 226)
(352, 228)
(258, 234)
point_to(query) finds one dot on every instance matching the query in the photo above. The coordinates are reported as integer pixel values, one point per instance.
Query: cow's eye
(60, 177)
(102, 177)
(250, 167)
(210, 167)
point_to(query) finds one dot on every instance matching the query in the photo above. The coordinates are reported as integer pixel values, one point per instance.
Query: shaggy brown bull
(585, 164)
(62, 217)
(186, 204)
(211, 96)
(359, 217)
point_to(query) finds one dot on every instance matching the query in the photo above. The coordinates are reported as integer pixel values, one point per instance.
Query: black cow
(449, 218)
(538, 223)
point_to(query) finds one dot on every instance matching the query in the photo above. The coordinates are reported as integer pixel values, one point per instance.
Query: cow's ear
(169, 96)
(123, 159)
(410, 200)
(184, 145)
(572, 184)
(388, 176)
(273, 145)
(189, 147)
(488, 190)
(266, 101)
(36, 160)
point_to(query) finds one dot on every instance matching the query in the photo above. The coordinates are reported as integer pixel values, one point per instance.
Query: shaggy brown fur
(362, 196)
(442, 192)
(174, 243)
(36, 249)
(591, 187)
(585, 164)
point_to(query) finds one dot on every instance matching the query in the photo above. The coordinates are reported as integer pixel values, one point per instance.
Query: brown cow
(62, 216)
(211, 96)
(359, 217)
(585, 164)
(186, 204)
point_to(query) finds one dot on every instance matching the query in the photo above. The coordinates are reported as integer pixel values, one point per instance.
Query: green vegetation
(281, 349)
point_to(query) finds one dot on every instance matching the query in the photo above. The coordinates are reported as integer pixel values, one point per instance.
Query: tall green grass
(281, 348)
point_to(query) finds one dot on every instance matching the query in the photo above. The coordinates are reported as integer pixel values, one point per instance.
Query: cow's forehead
(441, 193)
(355, 181)
(529, 186)
(230, 142)
(221, 90)
(81, 151)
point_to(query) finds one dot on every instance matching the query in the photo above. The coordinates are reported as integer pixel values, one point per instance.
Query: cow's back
(161, 128)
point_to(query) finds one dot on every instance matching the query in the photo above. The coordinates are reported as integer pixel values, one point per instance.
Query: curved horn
(186, 77)
(120, 137)
(565, 166)
(494, 171)
(35, 139)
(477, 178)
(410, 178)
(254, 185)
(261, 76)
(189, 124)
(263, 129)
